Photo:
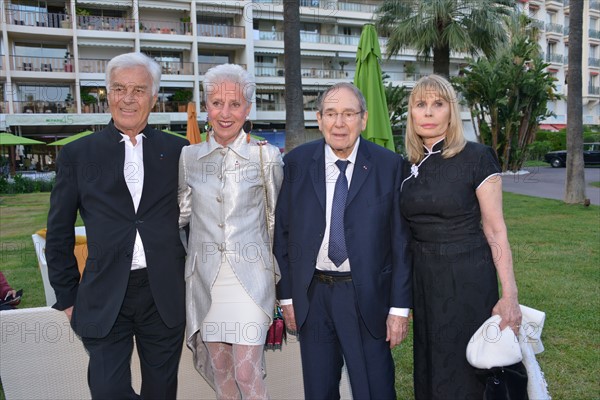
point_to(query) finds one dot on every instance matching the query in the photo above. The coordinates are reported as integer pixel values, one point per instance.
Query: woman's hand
(508, 309)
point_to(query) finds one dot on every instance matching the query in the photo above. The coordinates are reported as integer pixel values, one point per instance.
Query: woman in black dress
(452, 199)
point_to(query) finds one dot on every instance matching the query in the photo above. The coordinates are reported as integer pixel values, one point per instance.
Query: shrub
(537, 149)
(24, 185)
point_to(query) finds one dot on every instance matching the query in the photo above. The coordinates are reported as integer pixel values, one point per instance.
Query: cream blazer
(222, 198)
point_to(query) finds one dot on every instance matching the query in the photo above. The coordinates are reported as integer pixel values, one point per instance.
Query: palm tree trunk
(294, 106)
(441, 61)
(575, 182)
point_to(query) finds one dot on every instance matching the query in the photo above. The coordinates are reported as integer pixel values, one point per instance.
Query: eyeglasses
(347, 116)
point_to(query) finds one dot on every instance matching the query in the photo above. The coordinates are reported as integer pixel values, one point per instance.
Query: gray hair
(130, 60)
(229, 73)
(362, 103)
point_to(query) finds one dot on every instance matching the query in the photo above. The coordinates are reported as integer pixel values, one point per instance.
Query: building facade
(54, 54)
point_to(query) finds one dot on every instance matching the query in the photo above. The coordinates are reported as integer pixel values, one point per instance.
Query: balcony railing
(594, 33)
(44, 107)
(177, 67)
(554, 58)
(170, 106)
(595, 5)
(315, 37)
(42, 64)
(228, 31)
(114, 24)
(555, 28)
(349, 6)
(31, 18)
(269, 105)
(90, 65)
(593, 89)
(166, 27)
(593, 62)
(536, 23)
(316, 73)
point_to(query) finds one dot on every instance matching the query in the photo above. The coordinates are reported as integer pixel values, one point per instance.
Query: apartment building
(552, 18)
(53, 56)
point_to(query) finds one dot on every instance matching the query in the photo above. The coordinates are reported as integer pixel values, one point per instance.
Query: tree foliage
(438, 27)
(508, 94)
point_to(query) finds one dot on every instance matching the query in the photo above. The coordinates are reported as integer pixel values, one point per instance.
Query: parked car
(591, 156)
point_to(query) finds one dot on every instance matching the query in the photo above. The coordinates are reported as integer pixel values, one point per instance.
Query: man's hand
(397, 329)
(289, 317)
(69, 312)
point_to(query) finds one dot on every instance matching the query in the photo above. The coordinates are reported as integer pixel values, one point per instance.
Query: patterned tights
(238, 371)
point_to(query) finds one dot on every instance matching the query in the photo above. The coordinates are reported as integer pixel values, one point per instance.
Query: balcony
(30, 18)
(227, 31)
(554, 28)
(356, 7)
(111, 24)
(593, 62)
(94, 66)
(314, 73)
(594, 34)
(166, 27)
(177, 67)
(594, 90)
(595, 5)
(43, 107)
(536, 23)
(554, 58)
(42, 64)
(170, 106)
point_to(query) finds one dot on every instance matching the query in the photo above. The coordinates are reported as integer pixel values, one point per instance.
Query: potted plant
(409, 70)
(182, 97)
(186, 27)
(69, 104)
(68, 65)
(87, 99)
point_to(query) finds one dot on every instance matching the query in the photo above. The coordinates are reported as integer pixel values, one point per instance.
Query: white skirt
(233, 316)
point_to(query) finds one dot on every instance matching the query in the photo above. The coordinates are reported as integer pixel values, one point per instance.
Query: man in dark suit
(123, 182)
(341, 246)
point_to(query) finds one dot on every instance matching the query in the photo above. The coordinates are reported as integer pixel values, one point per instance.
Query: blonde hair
(455, 139)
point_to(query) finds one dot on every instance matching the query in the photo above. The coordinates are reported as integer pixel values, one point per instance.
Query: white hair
(230, 73)
(130, 60)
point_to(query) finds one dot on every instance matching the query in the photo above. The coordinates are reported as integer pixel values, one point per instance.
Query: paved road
(549, 182)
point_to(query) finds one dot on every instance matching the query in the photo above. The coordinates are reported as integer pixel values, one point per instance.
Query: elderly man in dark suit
(123, 182)
(341, 246)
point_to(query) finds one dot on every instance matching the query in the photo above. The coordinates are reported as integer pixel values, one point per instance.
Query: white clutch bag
(490, 347)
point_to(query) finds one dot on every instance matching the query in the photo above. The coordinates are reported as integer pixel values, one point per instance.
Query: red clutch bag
(276, 333)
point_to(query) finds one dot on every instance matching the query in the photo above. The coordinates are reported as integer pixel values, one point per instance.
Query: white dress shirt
(133, 170)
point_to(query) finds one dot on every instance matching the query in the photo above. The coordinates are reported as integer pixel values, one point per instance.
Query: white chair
(40, 251)
(42, 358)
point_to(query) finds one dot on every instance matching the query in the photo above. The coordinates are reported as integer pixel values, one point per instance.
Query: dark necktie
(337, 239)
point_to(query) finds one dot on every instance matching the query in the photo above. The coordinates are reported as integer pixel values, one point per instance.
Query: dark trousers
(159, 348)
(333, 333)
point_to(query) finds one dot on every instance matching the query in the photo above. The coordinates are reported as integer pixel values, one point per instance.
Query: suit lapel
(317, 173)
(361, 171)
(151, 171)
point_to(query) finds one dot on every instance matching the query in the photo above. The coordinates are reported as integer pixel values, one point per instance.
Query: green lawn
(557, 263)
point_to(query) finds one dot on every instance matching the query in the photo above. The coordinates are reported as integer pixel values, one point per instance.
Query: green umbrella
(368, 79)
(8, 139)
(70, 139)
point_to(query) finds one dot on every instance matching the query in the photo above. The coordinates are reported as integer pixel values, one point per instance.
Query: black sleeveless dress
(455, 284)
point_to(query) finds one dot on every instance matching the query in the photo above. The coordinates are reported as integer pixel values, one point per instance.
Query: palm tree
(439, 27)
(294, 106)
(575, 183)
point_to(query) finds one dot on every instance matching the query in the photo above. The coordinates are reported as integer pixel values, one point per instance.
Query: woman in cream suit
(230, 268)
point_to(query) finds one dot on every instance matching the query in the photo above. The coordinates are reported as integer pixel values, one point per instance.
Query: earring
(208, 129)
(247, 128)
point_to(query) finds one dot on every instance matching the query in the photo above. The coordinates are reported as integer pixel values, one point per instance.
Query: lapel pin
(365, 167)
